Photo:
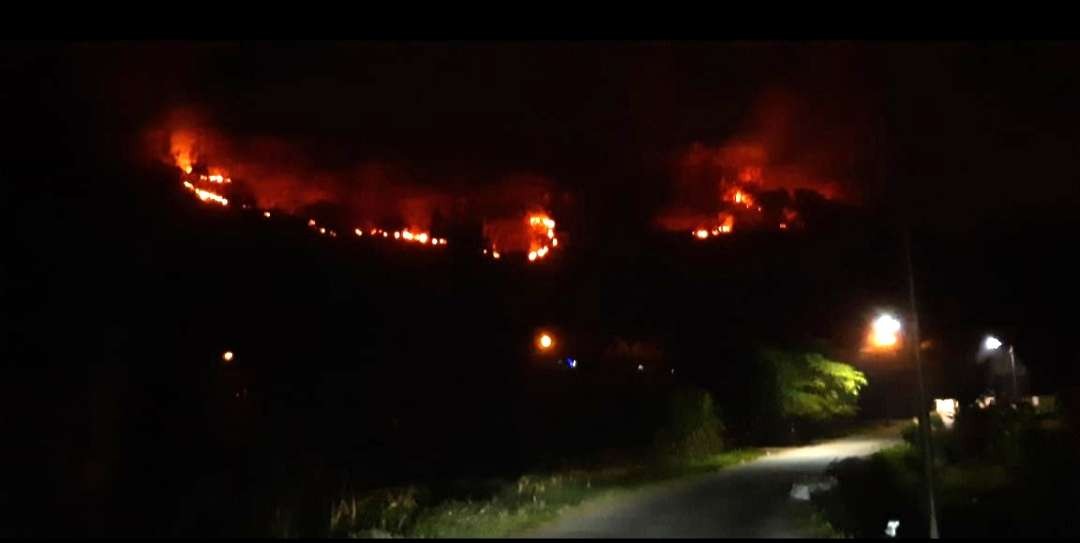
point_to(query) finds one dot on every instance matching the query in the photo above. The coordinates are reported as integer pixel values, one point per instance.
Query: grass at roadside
(508, 506)
(1008, 473)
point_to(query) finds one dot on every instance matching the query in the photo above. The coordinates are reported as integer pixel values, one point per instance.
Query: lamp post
(924, 413)
(992, 343)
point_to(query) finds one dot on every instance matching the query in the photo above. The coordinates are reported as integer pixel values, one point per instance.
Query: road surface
(749, 500)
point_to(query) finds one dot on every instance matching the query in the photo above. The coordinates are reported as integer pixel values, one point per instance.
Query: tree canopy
(811, 387)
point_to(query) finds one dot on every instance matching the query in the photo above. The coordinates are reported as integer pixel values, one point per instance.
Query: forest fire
(209, 184)
(278, 183)
(721, 188)
(205, 195)
(535, 236)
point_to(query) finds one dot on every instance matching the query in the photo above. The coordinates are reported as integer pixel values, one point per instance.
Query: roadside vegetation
(689, 442)
(590, 448)
(999, 472)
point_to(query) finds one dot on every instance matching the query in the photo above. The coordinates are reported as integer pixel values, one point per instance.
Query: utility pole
(923, 412)
(1012, 366)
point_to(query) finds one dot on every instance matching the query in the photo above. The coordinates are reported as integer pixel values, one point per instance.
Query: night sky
(975, 144)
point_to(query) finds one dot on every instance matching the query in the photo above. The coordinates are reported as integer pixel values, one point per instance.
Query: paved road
(750, 500)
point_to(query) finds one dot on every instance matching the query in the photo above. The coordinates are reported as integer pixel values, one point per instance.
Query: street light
(884, 332)
(885, 336)
(545, 341)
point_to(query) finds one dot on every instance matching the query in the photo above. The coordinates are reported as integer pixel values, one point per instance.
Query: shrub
(692, 429)
(384, 510)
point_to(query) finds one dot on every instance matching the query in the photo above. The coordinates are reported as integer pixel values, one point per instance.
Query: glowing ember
(183, 155)
(208, 196)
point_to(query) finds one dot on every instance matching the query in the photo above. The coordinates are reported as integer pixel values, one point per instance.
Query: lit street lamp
(545, 341)
(885, 336)
(884, 332)
(992, 343)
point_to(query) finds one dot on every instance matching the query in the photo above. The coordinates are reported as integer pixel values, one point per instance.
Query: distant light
(673, 371)
(702, 234)
(545, 341)
(571, 362)
(266, 214)
(322, 230)
(359, 232)
(891, 527)
(311, 222)
(496, 255)
(227, 356)
(384, 234)
(946, 409)
(991, 343)
(485, 251)
(397, 235)
(554, 242)
(532, 255)
(640, 367)
(422, 238)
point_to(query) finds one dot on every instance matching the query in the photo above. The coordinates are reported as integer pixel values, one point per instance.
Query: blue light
(571, 362)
